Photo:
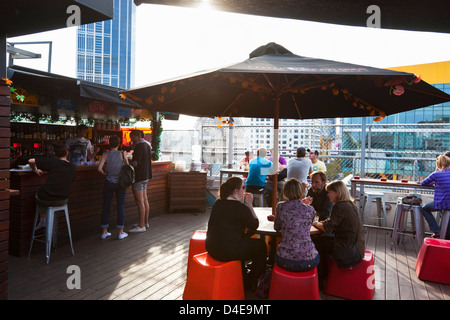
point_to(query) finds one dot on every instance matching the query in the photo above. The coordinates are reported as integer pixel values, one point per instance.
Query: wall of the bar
(5, 109)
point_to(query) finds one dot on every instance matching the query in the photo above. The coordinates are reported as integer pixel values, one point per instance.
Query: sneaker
(137, 229)
(105, 235)
(146, 225)
(122, 235)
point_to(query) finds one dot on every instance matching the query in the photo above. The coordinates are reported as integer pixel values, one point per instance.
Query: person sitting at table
(319, 195)
(259, 168)
(61, 173)
(244, 163)
(441, 181)
(226, 238)
(296, 251)
(345, 222)
(299, 167)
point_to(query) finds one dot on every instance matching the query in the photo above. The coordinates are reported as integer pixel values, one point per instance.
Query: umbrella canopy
(307, 88)
(275, 83)
(429, 15)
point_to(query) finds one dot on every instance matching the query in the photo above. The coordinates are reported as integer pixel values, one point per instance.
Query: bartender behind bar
(80, 149)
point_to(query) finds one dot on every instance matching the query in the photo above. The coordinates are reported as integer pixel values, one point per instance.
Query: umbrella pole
(275, 156)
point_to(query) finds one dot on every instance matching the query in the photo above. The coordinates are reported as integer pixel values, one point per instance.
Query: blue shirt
(257, 172)
(441, 181)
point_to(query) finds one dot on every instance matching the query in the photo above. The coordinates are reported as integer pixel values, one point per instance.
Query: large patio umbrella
(275, 83)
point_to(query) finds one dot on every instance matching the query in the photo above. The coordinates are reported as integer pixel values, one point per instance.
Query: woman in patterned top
(296, 251)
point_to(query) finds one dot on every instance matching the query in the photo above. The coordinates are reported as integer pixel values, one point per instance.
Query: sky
(173, 41)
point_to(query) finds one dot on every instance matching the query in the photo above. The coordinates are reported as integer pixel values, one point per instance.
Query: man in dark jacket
(142, 163)
(322, 205)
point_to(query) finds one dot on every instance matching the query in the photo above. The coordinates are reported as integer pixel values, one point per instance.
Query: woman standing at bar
(226, 239)
(114, 160)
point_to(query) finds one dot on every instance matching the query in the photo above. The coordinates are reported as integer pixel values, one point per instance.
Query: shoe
(137, 229)
(146, 226)
(105, 235)
(122, 235)
(41, 224)
(436, 235)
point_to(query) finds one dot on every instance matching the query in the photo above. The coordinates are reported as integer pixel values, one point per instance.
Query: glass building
(422, 133)
(105, 50)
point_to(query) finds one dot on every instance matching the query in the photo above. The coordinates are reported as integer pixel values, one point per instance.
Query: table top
(389, 182)
(266, 227)
(233, 171)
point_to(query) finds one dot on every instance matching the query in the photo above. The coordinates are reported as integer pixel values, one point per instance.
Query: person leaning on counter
(61, 173)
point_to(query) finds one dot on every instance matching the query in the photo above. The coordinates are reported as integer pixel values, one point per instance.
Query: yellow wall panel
(437, 72)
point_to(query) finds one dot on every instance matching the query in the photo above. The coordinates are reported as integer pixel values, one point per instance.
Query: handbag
(411, 201)
(126, 175)
(348, 256)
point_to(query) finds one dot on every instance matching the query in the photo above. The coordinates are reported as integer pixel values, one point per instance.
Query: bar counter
(85, 204)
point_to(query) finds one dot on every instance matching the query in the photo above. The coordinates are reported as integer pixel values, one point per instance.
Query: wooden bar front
(85, 205)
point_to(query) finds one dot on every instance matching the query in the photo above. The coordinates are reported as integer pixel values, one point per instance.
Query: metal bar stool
(400, 223)
(51, 227)
(444, 223)
(381, 206)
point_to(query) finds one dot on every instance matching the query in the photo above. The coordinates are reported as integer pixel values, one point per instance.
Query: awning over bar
(52, 85)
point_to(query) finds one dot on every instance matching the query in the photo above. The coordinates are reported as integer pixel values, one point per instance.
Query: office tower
(105, 50)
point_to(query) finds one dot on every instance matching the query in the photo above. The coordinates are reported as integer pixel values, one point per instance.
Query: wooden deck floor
(152, 266)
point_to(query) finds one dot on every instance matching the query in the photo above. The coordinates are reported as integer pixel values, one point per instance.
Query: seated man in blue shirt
(259, 168)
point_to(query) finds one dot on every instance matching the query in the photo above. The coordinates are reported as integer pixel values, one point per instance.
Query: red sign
(98, 107)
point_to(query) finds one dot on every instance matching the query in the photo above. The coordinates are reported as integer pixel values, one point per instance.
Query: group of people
(259, 169)
(326, 206)
(79, 150)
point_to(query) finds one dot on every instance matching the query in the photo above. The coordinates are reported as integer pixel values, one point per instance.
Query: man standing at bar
(80, 148)
(142, 163)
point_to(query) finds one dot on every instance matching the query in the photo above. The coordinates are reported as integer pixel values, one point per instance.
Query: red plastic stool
(209, 279)
(355, 283)
(286, 285)
(196, 245)
(433, 261)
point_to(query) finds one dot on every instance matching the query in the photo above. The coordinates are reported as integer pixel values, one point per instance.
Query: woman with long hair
(441, 181)
(344, 223)
(226, 238)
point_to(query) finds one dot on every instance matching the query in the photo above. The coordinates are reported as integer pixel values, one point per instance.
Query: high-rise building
(105, 50)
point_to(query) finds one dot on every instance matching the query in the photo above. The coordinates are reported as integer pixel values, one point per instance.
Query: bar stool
(51, 227)
(381, 206)
(400, 223)
(444, 223)
(259, 195)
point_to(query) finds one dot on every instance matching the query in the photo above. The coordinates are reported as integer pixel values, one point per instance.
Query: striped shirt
(441, 181)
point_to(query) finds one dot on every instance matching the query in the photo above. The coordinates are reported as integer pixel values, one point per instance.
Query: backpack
(126, 175)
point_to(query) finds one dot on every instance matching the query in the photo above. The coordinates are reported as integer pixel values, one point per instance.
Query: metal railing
(397, 151)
